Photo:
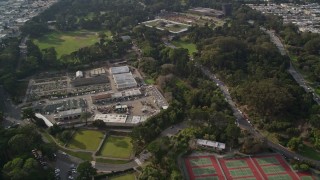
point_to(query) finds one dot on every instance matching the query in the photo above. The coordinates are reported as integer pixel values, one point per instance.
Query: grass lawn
(183, 44)
(112, 161)
(176, 27)
(117, 147)
(125, 177)
(82, 155)
(310, 153)
(68, 42)
(86, 139)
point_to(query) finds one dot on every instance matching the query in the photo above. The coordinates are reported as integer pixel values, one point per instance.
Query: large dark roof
(90, 81)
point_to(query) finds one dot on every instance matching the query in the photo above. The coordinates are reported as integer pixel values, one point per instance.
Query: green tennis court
(203, 171)
(273, 169)
(200, 161)
(241, 172)
(247, 178)
(267, 160)
(207, 178)
(306, 178)
(280, 177)
(236, 163)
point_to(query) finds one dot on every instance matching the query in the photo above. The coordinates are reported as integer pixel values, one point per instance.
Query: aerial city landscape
(159, 89)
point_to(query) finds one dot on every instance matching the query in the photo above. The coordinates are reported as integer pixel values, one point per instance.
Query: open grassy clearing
(186, 45)
(86, 139)
(117, 147)
(68, 42)
(310, 152)
(131, 176)
(112, 161)
(82, 155)
(176, 27)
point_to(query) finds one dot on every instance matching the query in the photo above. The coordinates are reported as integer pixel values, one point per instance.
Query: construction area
(115, 95)
(178, 22)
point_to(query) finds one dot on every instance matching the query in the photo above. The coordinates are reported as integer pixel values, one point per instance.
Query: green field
(186, 45)
(280, 177)
(203, 171)
(310, 152)
(68, 42)
(112, 161)
(86, 139)
(117, 147)
(176, 27)
(125, 177)
(273, 169)
(236, 163)
(267, 160)
(241, 172)
(200, 161)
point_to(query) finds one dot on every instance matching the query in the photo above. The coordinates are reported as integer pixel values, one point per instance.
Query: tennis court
(271, 166)
(236, 163)
(306, 178)
(203, 171)
(203, 168)
(247, 178)
(241, 172)
(267, 160)
(203, 161)
(207, 178)
(280, 177)
(273, 169)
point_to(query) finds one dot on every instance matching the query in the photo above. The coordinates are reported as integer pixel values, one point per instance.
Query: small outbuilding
(79, 74)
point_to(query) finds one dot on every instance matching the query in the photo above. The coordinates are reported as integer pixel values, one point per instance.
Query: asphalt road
(64, 163)
(12, 113)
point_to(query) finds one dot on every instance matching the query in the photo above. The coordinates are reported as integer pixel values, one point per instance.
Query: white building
(111, 118)
(79, 74)
(124, 81)
(119, 70)
(211, 144)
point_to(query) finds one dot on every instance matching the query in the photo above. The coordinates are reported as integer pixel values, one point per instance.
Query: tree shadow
(121, 143)
(51, 39)
(78, 144)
